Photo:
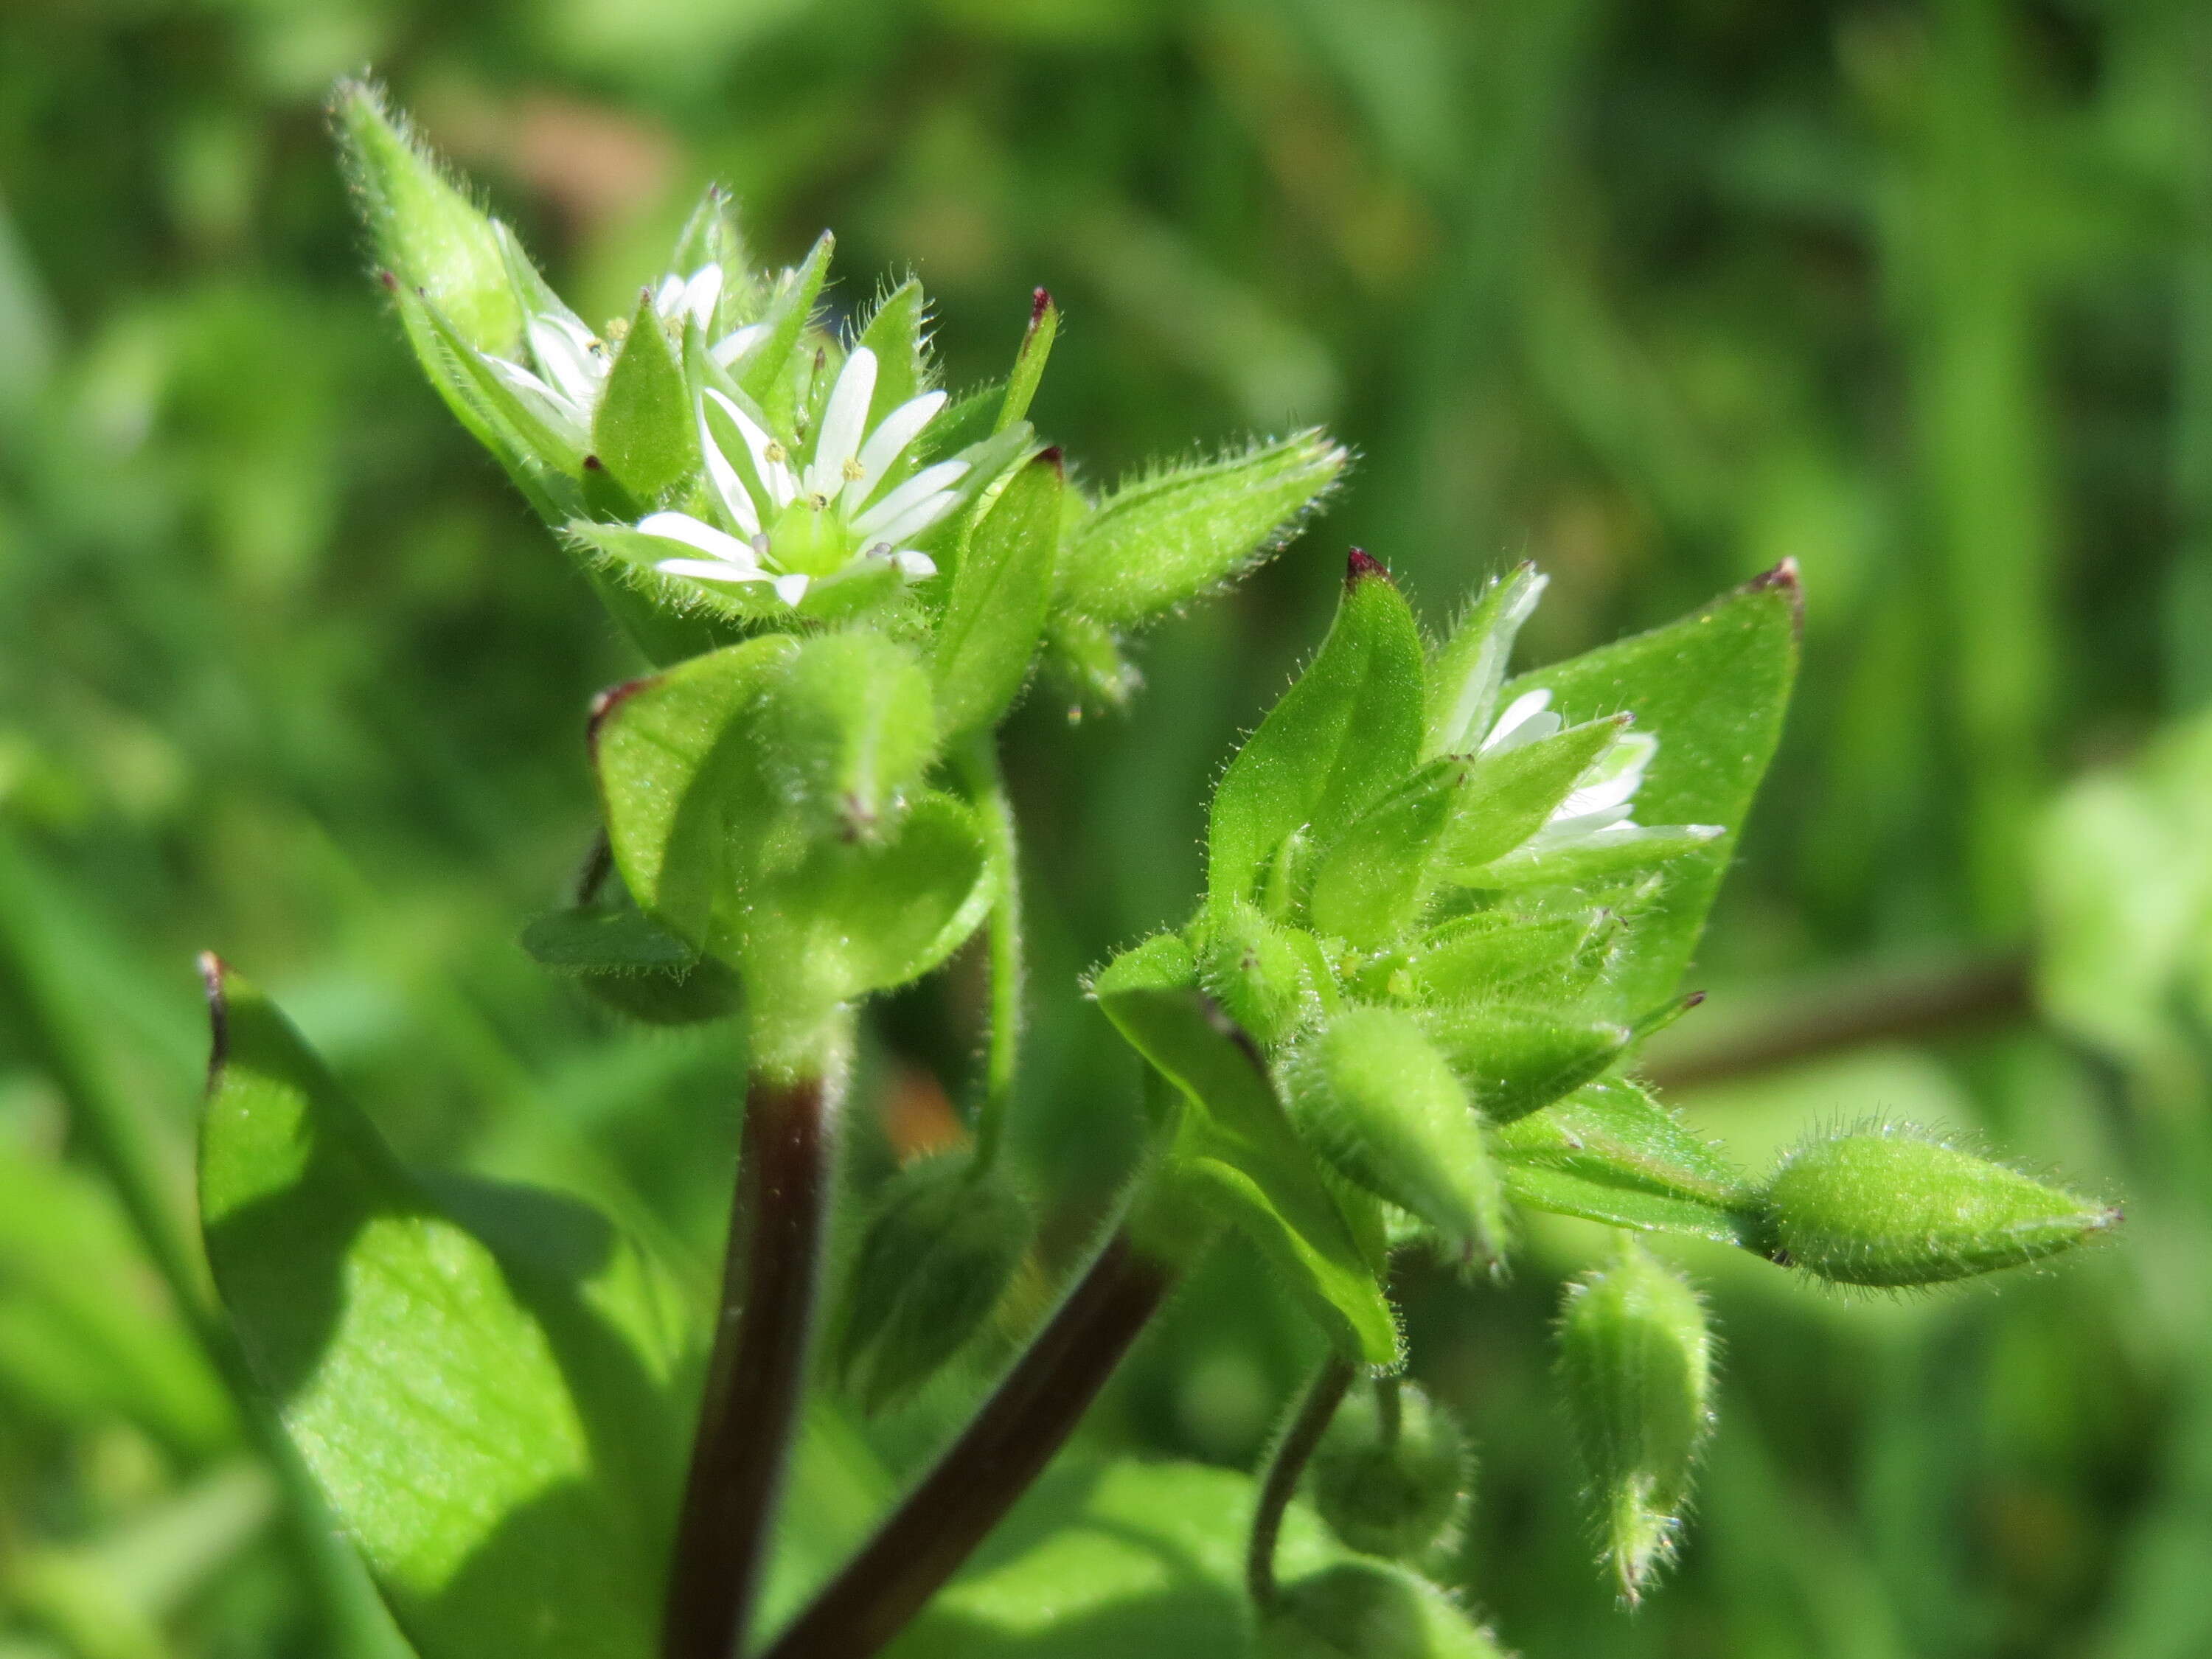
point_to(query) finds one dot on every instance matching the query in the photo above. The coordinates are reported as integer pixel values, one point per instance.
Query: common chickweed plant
(1443, 906)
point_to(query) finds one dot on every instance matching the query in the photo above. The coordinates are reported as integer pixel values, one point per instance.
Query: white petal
(564, 352)
(876, 523)
(668, 298)
(697, 532)
(734, 344)
(791, 589)
(775, 476)
(888, 443)
(572, 423)
(701, 293)
(915, 567)
(710, 570)
(1525, 719)
(838, 440)
(729, 489)
(922, 514)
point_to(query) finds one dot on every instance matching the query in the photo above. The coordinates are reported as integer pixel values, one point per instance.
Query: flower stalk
(1286, 1464)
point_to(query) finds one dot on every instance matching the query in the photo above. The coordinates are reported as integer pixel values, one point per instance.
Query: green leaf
(1712, 688)
(1029, 362)
(1270, 977)
(851, 729)
(896, 333)
(632, 964)
(643, 429)
(1609, 1152)
(484, 1400)
(1000, 594)
(1377, 875)
(1160, 540)
(1343, 734)
(426, 230)
(1370, 1610)
(1235, 1150)
(1510, 792)
(768, 377)
(1504, 953)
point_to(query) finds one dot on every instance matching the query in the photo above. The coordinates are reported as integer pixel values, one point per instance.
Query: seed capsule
(1635, 1360)
(1369, 1610)
(1891, 1207)
(1392, 1474)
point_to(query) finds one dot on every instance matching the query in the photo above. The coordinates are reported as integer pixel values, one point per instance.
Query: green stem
(1389, 1410)
(113, 1129)
(978, 760)
(1286, 1464)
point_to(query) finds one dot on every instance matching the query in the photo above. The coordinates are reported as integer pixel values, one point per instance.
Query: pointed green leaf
(643, 429)
(1343, 734)
(1000, 594)
(482, 1401)
(1159, 541)
(1378, 873)
(850, 729)
(767, 376)
(898, 335)
(1712, 688)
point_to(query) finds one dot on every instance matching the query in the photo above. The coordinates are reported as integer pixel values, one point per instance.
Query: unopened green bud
(1369, 1610)
(1372, 1095)
(1270, 978)
(1392, 1473)
(1498, 952)
(427, 232)
(1159, 540)
(1893, 1206)
(1636, 1359)
(1468, 671)
(934, 1263)
(853, 727)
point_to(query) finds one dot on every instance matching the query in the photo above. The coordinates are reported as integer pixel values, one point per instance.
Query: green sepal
(1372, 1096)
(1344, 733)
(1493, 954)
(1000, 594)
(1469, 667)
(1893, 1206)
(1712, 688)
(1511, 792)
(897, 333)
(643, 429)
(966, 421)
(1517, 1058)
(934, 1264)
(1611, 855)
(426, 232)
(1635, 1365)
(1376, 875)
(627, 960)
(1609, 1152)
(539, 447)
(711, 237)
(671, 620)
(769, 375)
(1235, 1150)
(477, 1377)
(1029, 362)
(850, 729)
(1085, 660)
(1161, 540)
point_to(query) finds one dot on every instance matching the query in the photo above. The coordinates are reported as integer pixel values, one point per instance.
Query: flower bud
(1516, 1059)
(1469, 668)
(1891, 1207)
(932, 1265)
(426, 232)
(1372, 1096)
(1636, 1359)
(1369, 1610)
(1392, 1473)
(1271, 979)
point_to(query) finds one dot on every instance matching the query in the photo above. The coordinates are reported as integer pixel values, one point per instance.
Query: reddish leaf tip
(593, 463)
(605, 704)
(1051, 455)
(1040, 302)
(213, 972)
(391, 282)
(1360, 565)
(1784, 580)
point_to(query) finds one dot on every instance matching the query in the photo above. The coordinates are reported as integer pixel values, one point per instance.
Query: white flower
(787, 519)
(1598, 807)
(569, 364)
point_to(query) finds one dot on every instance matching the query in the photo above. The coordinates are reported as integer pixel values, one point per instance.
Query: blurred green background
(1655, 294)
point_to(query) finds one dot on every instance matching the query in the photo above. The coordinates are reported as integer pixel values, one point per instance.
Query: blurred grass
(1655, 294)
